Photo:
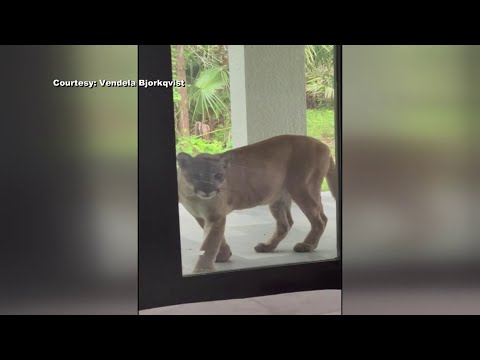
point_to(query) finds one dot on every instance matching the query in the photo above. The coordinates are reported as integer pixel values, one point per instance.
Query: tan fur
(271, 172)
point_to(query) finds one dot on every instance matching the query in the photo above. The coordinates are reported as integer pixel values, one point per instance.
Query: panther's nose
(206, 195)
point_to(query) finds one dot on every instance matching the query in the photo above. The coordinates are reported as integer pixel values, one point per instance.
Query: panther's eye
(219, 177)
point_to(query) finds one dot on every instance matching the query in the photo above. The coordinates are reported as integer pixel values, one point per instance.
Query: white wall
(267, 91)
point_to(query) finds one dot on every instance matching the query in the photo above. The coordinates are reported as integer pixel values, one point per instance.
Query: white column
(267, 89)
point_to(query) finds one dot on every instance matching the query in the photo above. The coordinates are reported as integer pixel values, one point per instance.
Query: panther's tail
(332, 178)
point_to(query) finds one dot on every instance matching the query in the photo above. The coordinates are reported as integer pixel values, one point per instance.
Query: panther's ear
(183, 160)
(227, 159)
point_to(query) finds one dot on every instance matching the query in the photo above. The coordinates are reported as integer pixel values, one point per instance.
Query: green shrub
(194, 145)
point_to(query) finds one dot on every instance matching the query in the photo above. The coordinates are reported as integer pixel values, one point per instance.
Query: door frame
(160, 281)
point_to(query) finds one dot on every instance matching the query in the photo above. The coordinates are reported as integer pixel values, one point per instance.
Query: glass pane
(255, 142)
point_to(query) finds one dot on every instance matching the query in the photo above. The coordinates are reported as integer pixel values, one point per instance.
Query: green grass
(321, 125)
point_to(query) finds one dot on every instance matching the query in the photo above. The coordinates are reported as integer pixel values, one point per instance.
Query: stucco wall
(267, 91)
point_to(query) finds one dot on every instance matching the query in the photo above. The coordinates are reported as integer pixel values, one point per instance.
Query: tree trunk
(223, 52)
(184, 124)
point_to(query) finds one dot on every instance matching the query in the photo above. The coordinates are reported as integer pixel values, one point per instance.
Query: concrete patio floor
(246, 228)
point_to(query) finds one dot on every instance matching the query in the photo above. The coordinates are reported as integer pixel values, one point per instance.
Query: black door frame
(161, 282)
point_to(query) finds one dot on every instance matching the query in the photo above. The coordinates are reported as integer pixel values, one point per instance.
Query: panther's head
(204, 173)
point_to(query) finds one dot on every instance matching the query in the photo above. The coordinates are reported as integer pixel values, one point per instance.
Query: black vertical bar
(159, 245)
(338, 142)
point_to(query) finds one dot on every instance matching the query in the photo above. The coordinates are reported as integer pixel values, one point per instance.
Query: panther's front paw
(201, 271)
(224, 254)
(203, 265)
